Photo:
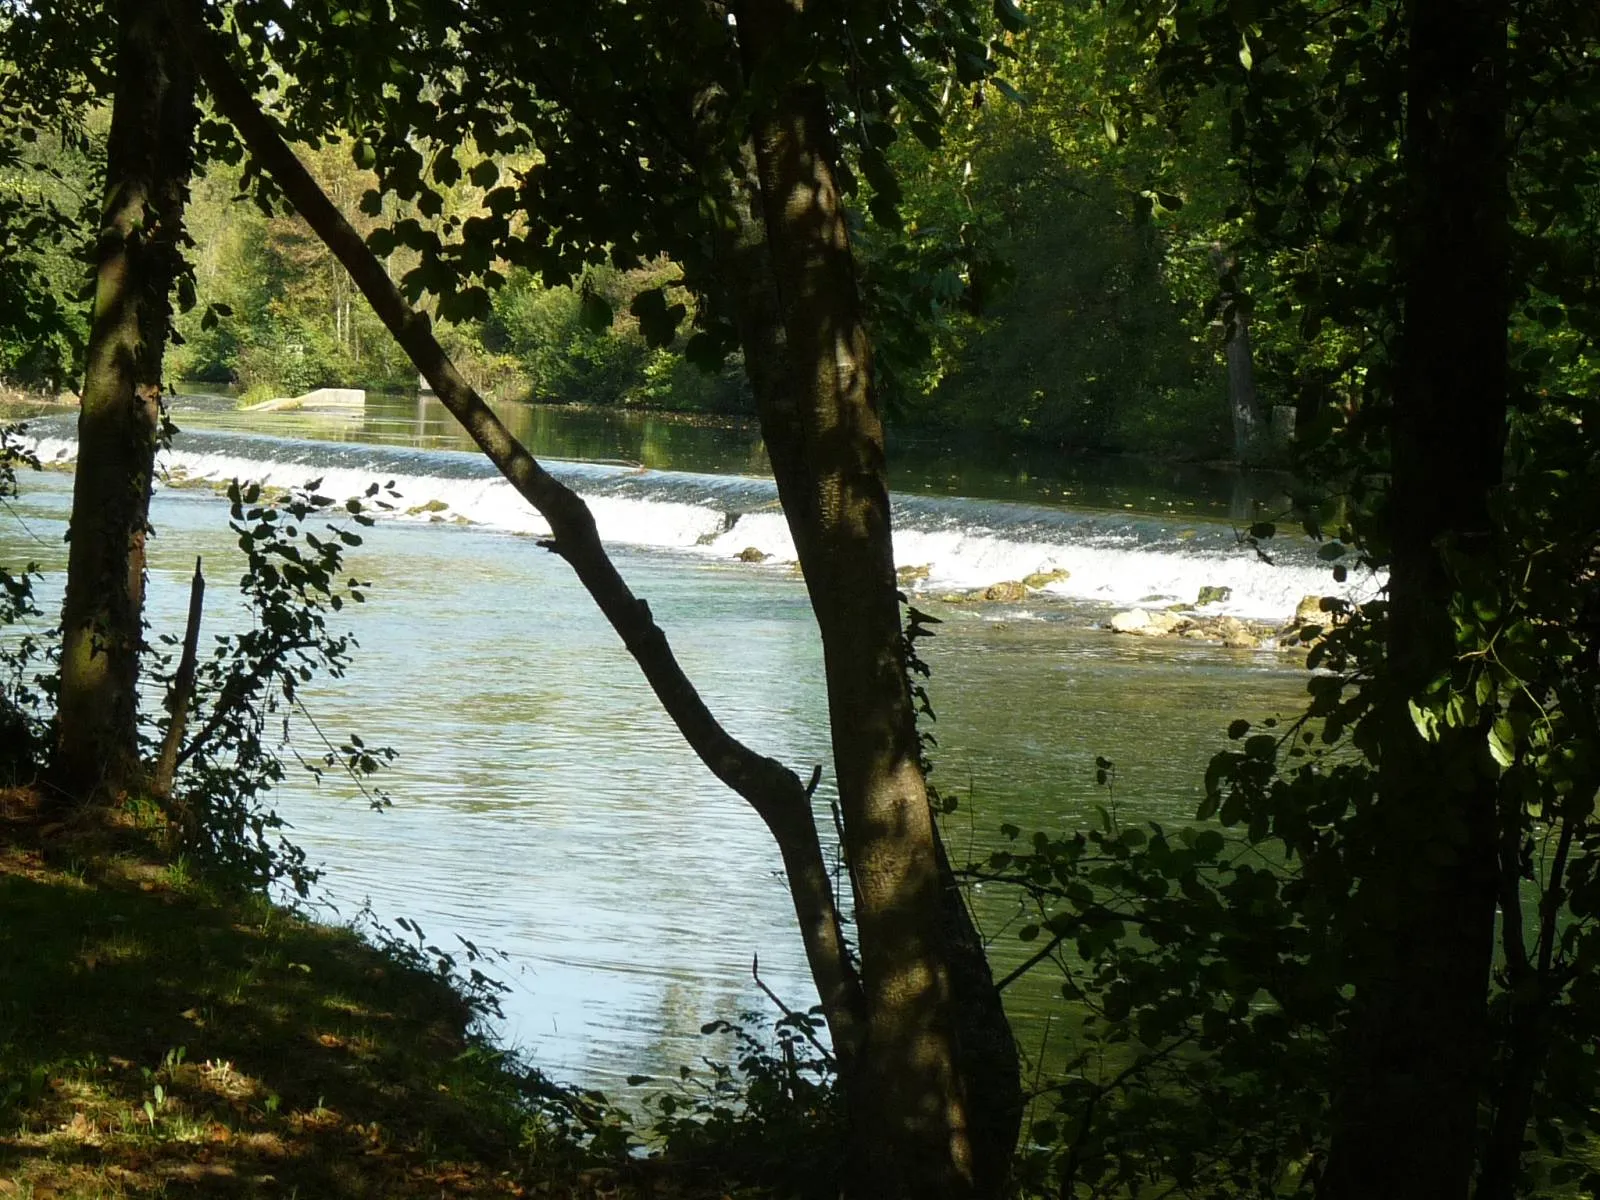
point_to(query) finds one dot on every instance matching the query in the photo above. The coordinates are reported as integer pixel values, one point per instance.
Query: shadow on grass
(155, 1040)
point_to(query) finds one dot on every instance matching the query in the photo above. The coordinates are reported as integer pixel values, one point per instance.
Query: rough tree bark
(939, 1102)
(1406, 1108)
(772, 790)
(148, 162)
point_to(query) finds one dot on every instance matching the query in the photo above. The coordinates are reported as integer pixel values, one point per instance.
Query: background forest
(1055, 277)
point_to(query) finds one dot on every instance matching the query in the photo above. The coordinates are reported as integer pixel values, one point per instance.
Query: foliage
(252, 679)
(481, 993)
(45, 211)
(1077, 222)
(560, 357)
(25, 701)
(771, 1120)
(1208, 973)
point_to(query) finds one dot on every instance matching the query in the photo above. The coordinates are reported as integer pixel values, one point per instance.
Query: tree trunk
(148, 163)
(1249, 422)
(771, 789)
(938, 1103)
(1414, 1058)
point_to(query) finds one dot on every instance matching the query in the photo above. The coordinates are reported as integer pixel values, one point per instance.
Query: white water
(545, 806)
(1117, 560)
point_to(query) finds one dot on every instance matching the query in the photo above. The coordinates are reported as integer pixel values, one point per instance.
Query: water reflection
(984, 468)
(546, 807)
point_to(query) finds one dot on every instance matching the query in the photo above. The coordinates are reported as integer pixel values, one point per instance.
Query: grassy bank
(157, 1039)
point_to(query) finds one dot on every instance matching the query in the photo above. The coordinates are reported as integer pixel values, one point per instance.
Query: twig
(1030, 963)
(182, 689)
(798, 1018)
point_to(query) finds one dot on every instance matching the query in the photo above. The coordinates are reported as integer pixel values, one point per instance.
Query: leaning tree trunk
(1414, 1058)
(937, 1104)
(148, 162)
(770, 788)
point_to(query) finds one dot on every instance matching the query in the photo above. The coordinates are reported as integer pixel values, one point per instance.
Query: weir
(950, 544)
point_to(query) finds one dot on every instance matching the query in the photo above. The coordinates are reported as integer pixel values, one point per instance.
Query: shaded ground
(156, 1040)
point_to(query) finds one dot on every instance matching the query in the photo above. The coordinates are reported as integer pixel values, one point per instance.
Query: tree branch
(774, 791)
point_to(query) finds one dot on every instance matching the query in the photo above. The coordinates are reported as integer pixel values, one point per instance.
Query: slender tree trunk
(181, 692)
(149, 160)
(771, 789)
(937, 1106)
(1249, 423)
(1406, 1110)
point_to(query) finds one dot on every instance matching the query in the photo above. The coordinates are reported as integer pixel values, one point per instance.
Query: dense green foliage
(1209, 973)
(1050, 267)
(1049, 279)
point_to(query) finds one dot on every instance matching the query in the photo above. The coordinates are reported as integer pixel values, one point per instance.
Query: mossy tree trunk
(149, 159)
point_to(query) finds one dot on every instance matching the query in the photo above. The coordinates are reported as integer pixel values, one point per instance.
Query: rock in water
(1145, 623)
(1235, 634)
(1041, 579)
(1005, 591)
(1309, 612)
(752, 555)
(911, 574)
(1213, 595)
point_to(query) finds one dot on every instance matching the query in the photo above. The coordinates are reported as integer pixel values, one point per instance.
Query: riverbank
(157, 1037)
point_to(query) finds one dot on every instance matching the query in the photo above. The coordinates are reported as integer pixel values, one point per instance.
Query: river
(544, 806)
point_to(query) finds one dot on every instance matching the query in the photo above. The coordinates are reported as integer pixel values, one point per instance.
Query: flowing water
(543, 804)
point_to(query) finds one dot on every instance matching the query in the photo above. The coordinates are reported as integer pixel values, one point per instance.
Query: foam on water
(1116, 559)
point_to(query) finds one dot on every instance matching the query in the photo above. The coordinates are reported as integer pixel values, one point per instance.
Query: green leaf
(1425, 720)
(363, 154)
(1012, 19)
(658, 321)
(1502, 743)
(707, 351)
(594, 312)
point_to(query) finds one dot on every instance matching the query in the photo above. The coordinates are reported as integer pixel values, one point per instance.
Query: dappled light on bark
(149, 158)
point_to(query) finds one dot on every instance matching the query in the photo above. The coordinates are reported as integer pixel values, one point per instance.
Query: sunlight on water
(545, 806)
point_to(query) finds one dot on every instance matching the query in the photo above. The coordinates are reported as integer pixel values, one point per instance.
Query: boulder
(1309, 611)
(1235, 634)
(432, 506)
(1145, 623)
(911, 574)
(751, 555)
(1041, 579)
(344, 398)
(1212, 595)
(1007, 591)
